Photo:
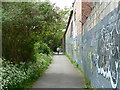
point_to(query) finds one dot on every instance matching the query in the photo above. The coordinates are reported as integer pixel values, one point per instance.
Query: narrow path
(61, 74)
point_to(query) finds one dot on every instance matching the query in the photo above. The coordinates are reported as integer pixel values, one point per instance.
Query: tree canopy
(25, 23)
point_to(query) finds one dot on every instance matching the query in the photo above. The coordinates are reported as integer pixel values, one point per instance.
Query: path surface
(61, 74)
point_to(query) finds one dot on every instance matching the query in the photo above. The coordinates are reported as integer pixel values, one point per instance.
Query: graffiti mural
(102, 49)
(108, 51)
(108, 55)
(98, 51)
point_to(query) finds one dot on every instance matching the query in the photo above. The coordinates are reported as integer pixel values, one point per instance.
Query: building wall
(77, 15)
(69, 36)
(86, 10)
(101, 45)
(97, 50)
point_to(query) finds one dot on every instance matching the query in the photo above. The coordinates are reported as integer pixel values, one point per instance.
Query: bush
(23, 24)
(19, 75)
(41, 48)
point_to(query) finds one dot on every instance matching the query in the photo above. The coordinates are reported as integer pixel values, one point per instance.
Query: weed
(87, 82)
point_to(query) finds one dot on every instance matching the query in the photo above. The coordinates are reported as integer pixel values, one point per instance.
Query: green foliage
(41, 48)
(25, 23)
(55, 33)
(20, 75)
(87, 85)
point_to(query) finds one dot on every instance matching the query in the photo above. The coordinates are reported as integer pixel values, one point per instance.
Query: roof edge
(71, 13)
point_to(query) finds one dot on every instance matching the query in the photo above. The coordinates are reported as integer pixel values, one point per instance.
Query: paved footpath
(61, 74)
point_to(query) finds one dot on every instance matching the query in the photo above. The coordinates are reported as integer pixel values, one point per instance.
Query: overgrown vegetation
(25, 23)
(87, 82)
(23, 74)
(30, 32)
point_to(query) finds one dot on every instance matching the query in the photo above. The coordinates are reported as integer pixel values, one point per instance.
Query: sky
(62, 3)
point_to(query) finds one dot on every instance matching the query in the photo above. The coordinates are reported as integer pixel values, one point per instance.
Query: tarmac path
(60, 74)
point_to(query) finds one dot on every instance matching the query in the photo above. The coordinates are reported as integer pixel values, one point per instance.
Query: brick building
(92, 39)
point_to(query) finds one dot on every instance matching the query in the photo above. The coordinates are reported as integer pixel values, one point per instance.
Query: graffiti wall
(101, 51)
(98, 51)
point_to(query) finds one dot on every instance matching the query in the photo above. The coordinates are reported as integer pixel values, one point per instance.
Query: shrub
(18, 75)
(41, 48)
(23, 24)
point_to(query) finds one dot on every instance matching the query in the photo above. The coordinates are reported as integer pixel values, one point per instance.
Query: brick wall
(77, 15)
(97, 50)
(86, 10)
(101, 45)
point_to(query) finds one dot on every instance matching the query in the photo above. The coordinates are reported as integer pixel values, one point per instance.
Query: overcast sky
(62, 3)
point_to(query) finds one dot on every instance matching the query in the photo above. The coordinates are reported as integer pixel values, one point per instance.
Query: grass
(87, 81)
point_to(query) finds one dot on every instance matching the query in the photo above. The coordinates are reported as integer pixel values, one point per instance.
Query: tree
(25, 23)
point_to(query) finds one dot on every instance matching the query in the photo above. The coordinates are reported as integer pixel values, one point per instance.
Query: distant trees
(25, 23)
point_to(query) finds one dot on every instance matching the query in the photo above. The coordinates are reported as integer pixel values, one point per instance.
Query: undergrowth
(22, 75)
